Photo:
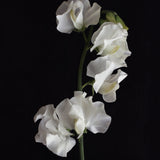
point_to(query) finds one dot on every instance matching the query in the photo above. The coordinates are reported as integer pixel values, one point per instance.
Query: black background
(38, 66)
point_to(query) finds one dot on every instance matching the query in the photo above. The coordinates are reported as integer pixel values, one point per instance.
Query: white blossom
(52, 133)
(80, 113)
(100, 69)
(110, 40)
(110, 85)
(88, 114)
(76, 14)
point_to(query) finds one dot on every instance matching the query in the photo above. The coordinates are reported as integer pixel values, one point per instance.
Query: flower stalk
(80, 80)
(83, 56)
(80, 113)
(80, 70)
(81, 148)
(80, 88)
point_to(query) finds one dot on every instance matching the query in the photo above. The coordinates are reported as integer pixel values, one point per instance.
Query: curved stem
(80, 85)
(83, 56)
(80, 71)
(88, 83)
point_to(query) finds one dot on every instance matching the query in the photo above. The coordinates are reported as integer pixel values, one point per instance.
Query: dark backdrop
(38, 66)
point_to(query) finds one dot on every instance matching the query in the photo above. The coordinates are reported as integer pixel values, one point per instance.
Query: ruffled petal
(100, 69)
(98, 121)
(64, 22)
(108, 32)
(42, 132)
(51, 131)
(76, 14)
(110, 97)
(77, 111)
(59, 146)
(86, 4)
(45, 111)
(97, 66)
(110, 85)
(92, 15)
(62, 111)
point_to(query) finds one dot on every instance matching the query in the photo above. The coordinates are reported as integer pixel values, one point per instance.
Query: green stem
(88, 83)
(80, 85)
(81, 148)
(83, 56)
(80, 88)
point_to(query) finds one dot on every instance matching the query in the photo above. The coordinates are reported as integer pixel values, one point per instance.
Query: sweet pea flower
(80, 113)
(52, 133)
(88, 114)
(110, 39)
(76, 14)
(111, 85)
(100, 69)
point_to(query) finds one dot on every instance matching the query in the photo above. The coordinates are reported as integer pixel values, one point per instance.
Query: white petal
(52, 133)
(96, 33)
(45, 111)
(117, 51)
(92, 15)
(62, 111)
(64, 22)
(98, 121)
(86, 4)
(110, 85)
(97, 66)
(79, 127)
(42, 132)
(63, 131)
(59, 146)
(79, 94)
(102, 68)
(51, 126)
(76, 111)
(110, 97)
(76, 14)
(108, 31)
(121, 76)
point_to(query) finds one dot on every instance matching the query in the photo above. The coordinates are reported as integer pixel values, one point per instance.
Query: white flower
(110, 85)
(76, 14)
(110, 39)
(52, 133)
(88, 114)
(100, 69)
(80, 113)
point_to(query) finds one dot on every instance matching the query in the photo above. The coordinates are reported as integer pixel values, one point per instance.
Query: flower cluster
(78, 113)
(110, 41)
(72, 117)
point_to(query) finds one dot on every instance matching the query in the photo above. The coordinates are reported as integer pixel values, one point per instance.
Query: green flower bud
(112, 16)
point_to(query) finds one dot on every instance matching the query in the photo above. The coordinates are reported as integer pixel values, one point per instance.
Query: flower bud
(112, 16)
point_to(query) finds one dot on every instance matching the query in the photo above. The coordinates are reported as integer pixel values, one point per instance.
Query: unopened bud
(112, 16)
